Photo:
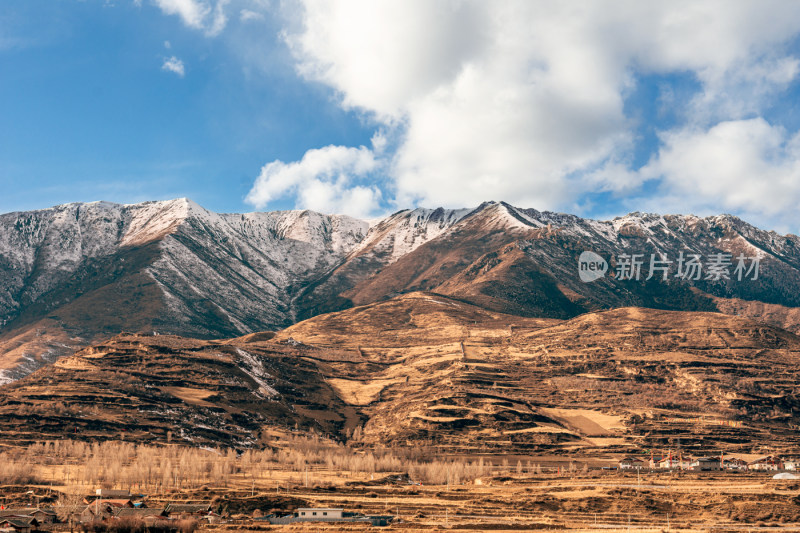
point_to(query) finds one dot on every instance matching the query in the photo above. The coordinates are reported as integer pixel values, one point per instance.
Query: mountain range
(78, 274)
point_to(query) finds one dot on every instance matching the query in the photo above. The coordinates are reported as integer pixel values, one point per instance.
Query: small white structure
(319, 513)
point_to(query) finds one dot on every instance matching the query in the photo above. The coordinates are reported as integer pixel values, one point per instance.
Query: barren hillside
(426, 369)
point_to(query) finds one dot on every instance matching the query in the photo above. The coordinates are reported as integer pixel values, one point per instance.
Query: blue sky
(365, 107)
(88, 113)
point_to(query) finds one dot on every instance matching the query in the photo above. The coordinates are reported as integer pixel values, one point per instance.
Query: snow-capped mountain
(79, 273)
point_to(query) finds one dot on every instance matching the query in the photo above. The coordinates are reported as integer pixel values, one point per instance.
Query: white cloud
(743, 90)
(524, 100)
(173, 64)
(246, 15)
(379, 142)
(192, 12)
(325, 180)
(743, 166)
(381, 55)
(218, 19)
(198, 14)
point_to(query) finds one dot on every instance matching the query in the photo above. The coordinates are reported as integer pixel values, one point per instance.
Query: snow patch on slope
(153, 220)
(405, 231)
(255, 370)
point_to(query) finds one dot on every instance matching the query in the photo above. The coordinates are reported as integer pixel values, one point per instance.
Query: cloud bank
(527, 100)
(535, 102)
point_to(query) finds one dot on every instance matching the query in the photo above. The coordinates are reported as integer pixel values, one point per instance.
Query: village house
(669, 463)
(91, 513)
(316, 513)
(102, 509)
(734, 464)
(792, 464)
(632, 463)
(658, 463)
(42, 516)
(705, 464)
(121, 502)
(327, 514)
(766, 463)
(96, 511)
(10, 512)
(19, 524)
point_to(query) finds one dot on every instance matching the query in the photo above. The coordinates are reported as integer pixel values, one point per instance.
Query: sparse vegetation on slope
(425, 370)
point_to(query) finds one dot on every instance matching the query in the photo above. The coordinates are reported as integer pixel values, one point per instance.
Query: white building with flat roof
(320, 513)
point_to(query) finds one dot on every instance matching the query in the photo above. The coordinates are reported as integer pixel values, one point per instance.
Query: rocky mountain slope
(423, 369)
(525, 262)
(80, 273)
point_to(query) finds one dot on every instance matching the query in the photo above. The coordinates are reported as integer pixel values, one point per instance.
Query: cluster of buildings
(25, 520)
(106, 506)
(110, 505)
(679, 462)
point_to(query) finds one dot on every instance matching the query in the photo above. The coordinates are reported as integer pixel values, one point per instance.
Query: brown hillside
(614, 380)
(144, 388)
(425, 369)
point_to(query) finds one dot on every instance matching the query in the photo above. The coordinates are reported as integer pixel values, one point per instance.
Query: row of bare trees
(155, 468)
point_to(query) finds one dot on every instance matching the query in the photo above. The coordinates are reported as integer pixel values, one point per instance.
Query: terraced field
(426, 370)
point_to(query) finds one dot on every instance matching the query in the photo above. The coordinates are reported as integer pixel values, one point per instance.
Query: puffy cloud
(197, 14)
(325, 179)
(381, 55)
(744, 166)
(173, 64)
(192, 12)
(525, 100)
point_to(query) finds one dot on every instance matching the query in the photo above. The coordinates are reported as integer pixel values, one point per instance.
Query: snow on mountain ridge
(176, 267)
(406, 230)
(150, 221)
(42, 250)
(273, 252)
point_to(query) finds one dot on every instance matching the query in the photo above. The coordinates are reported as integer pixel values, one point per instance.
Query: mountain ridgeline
(78, 274)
